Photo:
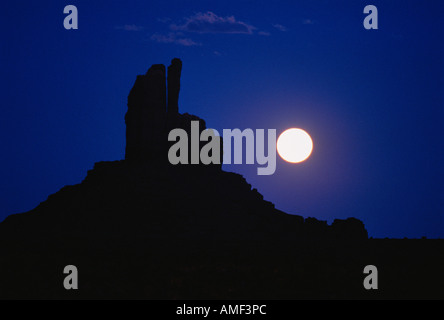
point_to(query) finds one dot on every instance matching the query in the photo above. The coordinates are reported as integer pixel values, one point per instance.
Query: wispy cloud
(210, 22)
(129, 27)
(174, 38)
(307, 21)
(280, 27)
(263, 33)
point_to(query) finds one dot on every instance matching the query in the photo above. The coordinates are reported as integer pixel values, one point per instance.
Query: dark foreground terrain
(143, 228)
(134, 232)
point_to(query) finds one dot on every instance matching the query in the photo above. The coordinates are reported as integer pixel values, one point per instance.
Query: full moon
(294, 145)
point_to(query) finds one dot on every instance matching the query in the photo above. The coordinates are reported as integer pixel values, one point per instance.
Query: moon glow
(294, 145)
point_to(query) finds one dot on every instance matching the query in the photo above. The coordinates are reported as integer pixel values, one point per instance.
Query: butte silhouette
(143, 228)
(145, 196)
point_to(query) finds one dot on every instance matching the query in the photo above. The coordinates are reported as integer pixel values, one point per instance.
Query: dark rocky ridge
(143, 228)
(120, 197)
(144, 204)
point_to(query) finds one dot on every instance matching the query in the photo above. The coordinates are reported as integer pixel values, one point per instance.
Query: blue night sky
(372, 100)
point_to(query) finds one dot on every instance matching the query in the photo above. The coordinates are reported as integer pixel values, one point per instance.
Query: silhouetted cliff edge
(143, 228)
(145, 196)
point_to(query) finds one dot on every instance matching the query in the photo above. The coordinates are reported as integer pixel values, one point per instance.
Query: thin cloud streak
(280, 27)
(173, 38)
(210, 22)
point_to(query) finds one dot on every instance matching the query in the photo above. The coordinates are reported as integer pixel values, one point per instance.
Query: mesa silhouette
(145, 196)
(143, 228)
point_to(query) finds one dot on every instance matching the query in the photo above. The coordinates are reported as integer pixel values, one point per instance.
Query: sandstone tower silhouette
(153, 110)
(180, 218)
